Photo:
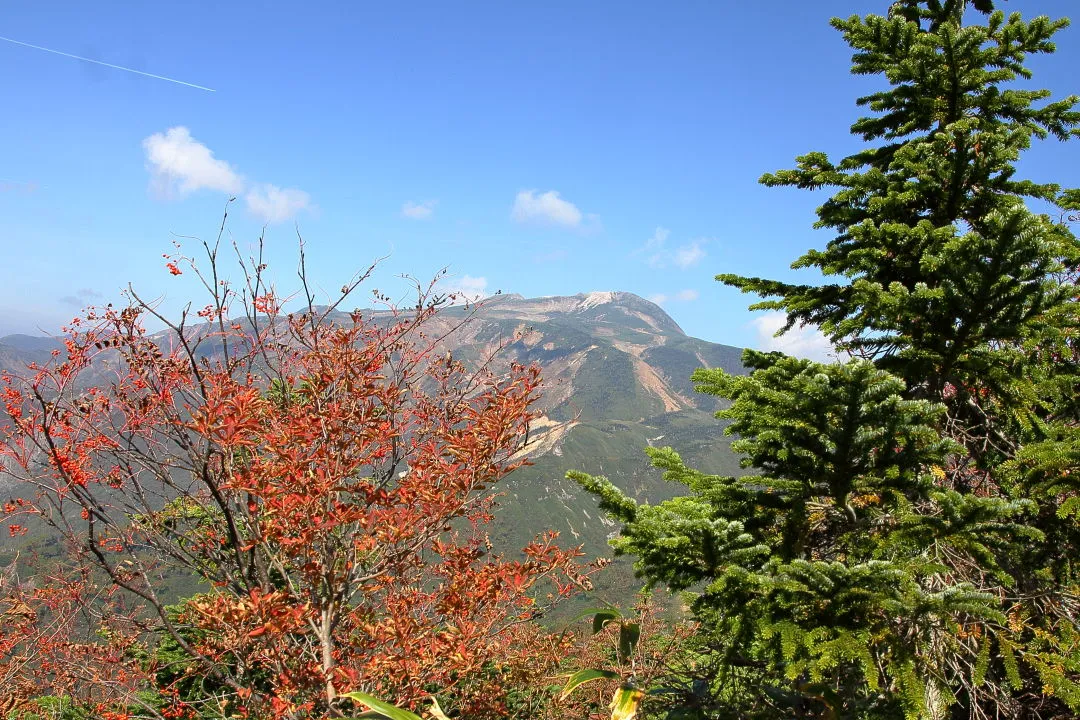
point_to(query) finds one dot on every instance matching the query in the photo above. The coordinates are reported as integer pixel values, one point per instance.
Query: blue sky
(537, 148)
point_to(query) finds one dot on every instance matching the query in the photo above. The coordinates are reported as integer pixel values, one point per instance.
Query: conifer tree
(905, 546)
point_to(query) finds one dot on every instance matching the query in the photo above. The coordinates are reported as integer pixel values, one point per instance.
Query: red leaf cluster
(327, 475)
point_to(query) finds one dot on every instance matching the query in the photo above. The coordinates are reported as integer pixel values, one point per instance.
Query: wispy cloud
(689, 255)
(7, 185)
(81, 298)
(466, 288)
(545, 209)
(108, 65)
(179, 165)
(655, 245)
(419, 211)
(272, 204)
(804, 342)
(687, 295)
(179, 162)
(658, 254)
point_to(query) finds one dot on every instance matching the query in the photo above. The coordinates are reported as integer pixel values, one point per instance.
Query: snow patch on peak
(592, 299)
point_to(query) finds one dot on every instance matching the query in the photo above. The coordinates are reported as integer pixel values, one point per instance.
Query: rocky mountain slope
(617, 379)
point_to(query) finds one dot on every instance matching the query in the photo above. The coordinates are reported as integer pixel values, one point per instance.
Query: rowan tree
(65, 644)
(327, 475)
(905, 545)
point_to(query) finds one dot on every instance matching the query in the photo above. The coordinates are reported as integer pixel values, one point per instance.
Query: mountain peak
(600, 297)
(606, 307)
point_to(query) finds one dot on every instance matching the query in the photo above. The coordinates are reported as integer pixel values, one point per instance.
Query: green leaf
(381, 708)
(629, 634)
(624, 705)
(609, 613)
(583, 676)
(603, 617)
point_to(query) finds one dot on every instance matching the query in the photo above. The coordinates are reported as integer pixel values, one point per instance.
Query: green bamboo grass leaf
(380, 708)
(625, 704)
(602, 618)
(583, 676)
(629, 634)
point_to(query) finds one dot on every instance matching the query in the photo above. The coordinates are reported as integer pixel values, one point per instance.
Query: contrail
(110, 65)
(9, 184)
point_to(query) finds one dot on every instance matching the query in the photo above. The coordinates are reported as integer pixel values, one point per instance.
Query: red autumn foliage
(64, 637)
(328, 475)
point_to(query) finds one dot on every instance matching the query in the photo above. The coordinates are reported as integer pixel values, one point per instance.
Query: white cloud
(179, 162)
(655, 246)
(658, 239)
(419, 211)
(689, 255)
(804, 342)
(272, 204)
(659, 255)
(546, 209)
(687, 295)
(466, 288)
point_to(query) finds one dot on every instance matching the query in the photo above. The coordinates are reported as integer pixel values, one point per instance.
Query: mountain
(616, 373)
(18, 351)
(617, 379)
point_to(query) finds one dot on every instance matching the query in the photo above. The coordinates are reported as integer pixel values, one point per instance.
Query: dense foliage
(906, 544)
(326, 480)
